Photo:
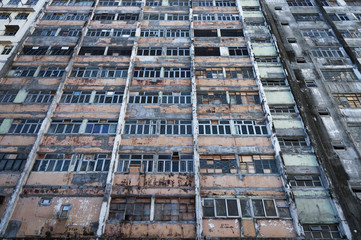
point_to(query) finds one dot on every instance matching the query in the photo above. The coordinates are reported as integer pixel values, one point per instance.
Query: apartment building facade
(164, 119)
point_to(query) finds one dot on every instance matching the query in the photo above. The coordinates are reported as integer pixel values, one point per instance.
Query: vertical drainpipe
(10, 207)
(198, 200)
(118, 137)
(269, 122)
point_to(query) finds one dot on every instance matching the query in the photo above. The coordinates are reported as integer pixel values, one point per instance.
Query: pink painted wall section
(276, 228)
(38, 220)
(221, 228)
(165, 230)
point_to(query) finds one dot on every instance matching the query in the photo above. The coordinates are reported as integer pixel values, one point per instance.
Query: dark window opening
(204, 51)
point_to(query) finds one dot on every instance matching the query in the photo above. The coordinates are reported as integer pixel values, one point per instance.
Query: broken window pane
(258, 208)
(232, 207)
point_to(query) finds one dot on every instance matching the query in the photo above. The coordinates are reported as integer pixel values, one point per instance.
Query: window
(76, 97)
(31, 2)
(176, 127)
(100, 97)
(353, 2)
(235, 208)
(22, 72)
(153, 3)
(24, 126)
(114, 72)
(143, 127)
(348, 100)
(108, 3)
(130, 3)
(339, 17)
(357, 51)
(292, 142)
(214, 127)
(129, 209)
(51, 162)
(305, 181)
(205, 33)
(178, 51)
(177, 17)
(45, 201)
(54, 16)
(307, 17)
(151, 33)
(144, 97)
(11, 30)
(51, 72)
(124, 33)
(176, 98)
(103, 97)
(7, 50)
(103, 17)
(76, 17)
(216, 73)
(239, 73)
(146, 72)
(34, 50)
(40, 97)
(257, 164)
(119, 51)
(136, 163)
(282, 109)
(238, 51)
(327, 3)
(98, 32)
(64, 211)
(83, 3)
(70, 32)
(61, 51)
(228, 17)
(316, 33)
(339, 75)
(321, 231)
(13, 2)
(203, 3)
(177, 33)
(65, 16)
(218, 164)
(231, 33)
(59, 3)
(88, 51)
(151, 17)
(177, 73)
(101, 127)
(44, 32)
(217, 98)
(174, 209)
(85, 72)
(180, 3)
(175, 163)
(350, 33)
(250, 128)
(65, 126)
(296, 3)
(204, 17)
(12, 161)
(358, 16)
(327, 53)
(92, 163)
(8, 96)
(149, 51)
(225, 3)
(4, 15)
(205, 51)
